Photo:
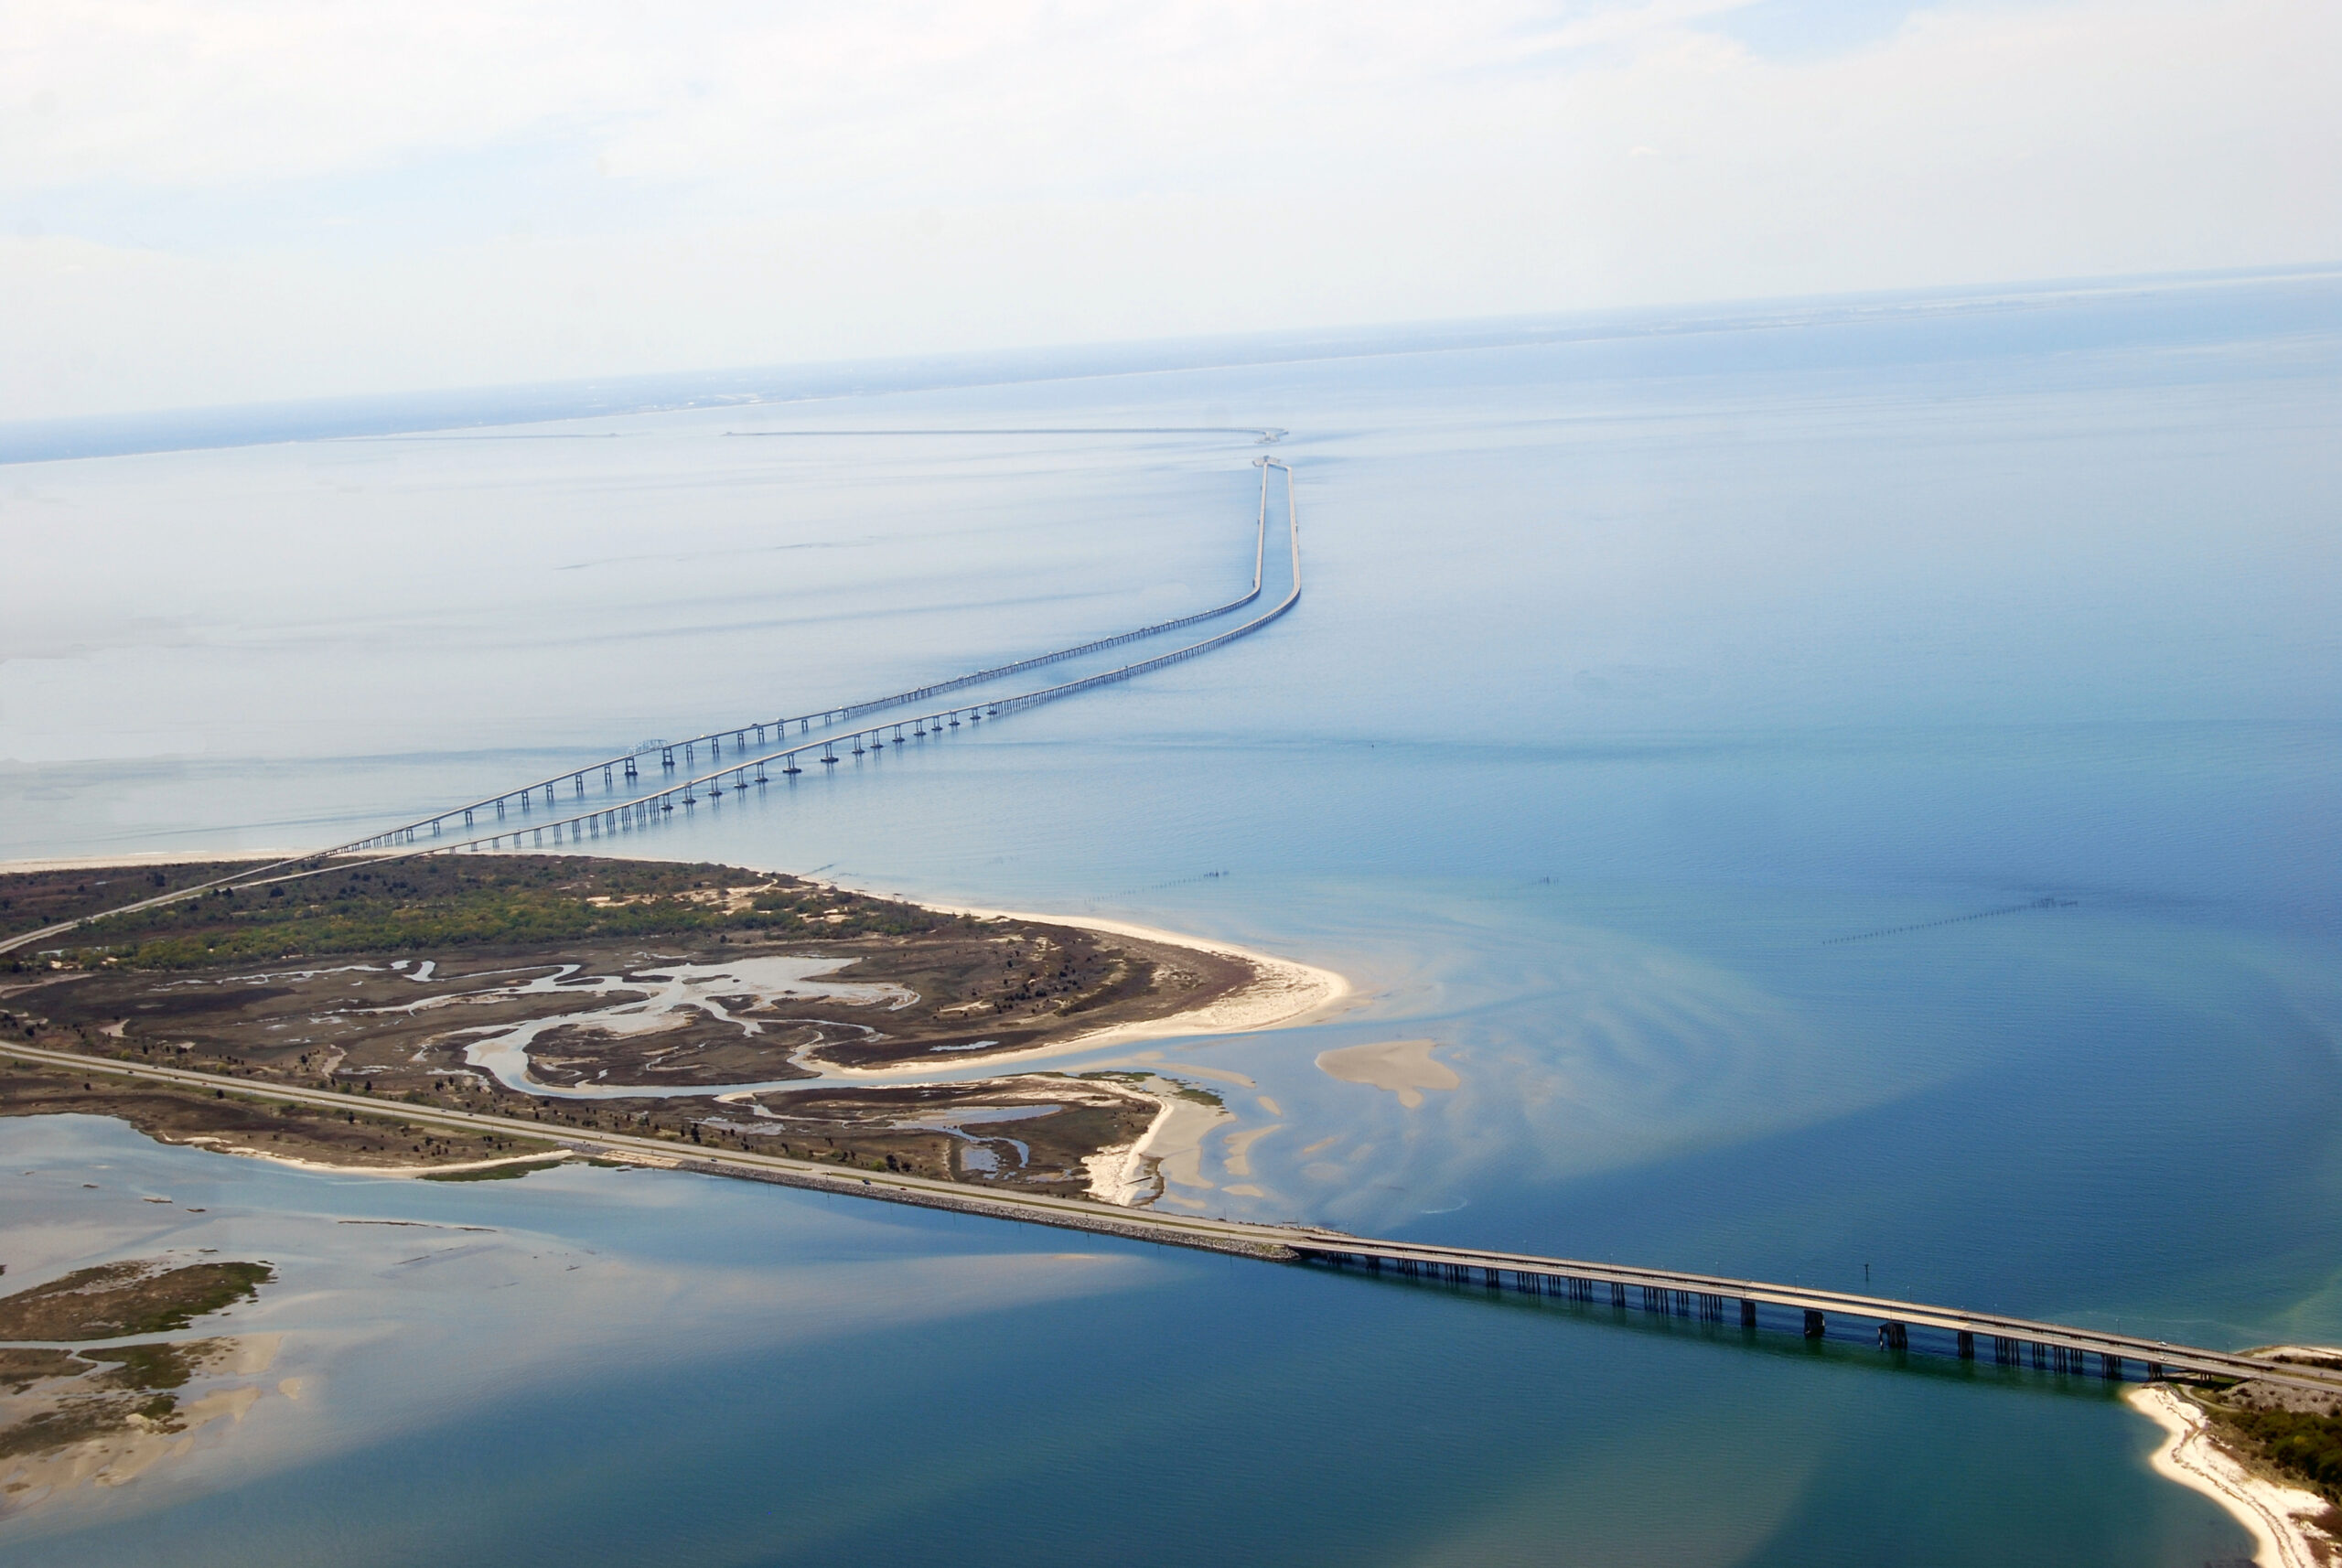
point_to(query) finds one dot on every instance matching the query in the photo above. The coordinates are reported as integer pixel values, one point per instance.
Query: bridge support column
(1966, 1346)
(1748, 1313)
(1894, 1336)
(1814, 1324)
(2110, 1366)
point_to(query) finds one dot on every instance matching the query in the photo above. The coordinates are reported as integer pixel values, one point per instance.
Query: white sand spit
(2277, 1516)
(1285, 993)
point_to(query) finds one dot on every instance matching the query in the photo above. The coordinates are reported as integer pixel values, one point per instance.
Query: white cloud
(261, 199)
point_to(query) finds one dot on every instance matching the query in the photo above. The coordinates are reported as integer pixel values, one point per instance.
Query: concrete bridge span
(1757, 1307)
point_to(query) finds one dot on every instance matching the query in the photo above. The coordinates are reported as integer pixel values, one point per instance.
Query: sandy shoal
(1405, 1067)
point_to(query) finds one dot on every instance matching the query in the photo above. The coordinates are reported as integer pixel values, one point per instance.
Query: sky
(212, 203)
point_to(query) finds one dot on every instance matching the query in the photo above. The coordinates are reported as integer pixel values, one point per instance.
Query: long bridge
(1755, 1307)
(751, 770)
(753, 762)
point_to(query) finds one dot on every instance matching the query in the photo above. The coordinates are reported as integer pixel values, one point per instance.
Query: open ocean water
(1636, 667)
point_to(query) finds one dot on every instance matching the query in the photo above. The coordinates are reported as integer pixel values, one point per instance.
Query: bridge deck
(1528, 1272)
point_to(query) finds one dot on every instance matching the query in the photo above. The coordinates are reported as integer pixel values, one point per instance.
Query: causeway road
(1658, 1290)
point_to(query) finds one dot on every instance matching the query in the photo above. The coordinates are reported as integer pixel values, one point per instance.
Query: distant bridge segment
(422, 836)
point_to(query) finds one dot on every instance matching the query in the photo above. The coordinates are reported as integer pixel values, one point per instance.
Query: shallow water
(1633, 676)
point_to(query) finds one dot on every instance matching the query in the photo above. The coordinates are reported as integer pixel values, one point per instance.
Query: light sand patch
(116, 1457)
(1243, 1189)
(1321, 1146)
(1271, 1106)
(1171, 1150)
(1239, 1156)
(216, 1144)
(149, 857)
(1405, 1067)
(1216, 1074)
(2277, 1516)
(249, 1354)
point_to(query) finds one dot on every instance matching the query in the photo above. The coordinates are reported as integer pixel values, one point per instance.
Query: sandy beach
(1287, 992)
(2278, 1516)
(408, 1171)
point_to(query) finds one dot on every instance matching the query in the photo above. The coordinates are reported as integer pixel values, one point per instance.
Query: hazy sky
(205, 203)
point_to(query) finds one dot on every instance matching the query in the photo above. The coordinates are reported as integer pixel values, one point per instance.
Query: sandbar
(1405, 1067)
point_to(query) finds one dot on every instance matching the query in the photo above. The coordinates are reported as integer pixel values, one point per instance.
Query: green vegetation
(116, 1300)
(2300, 1443)
(21, 1366)
(451, 902)
(497, 1173)
(150, 1366)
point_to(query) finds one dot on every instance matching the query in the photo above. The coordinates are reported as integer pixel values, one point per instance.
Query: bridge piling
(1966, 1346)
(1815, 1323)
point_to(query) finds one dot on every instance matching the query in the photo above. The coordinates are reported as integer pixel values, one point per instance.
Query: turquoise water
(1632, 674)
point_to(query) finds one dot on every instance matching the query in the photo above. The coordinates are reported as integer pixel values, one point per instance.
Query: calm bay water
(1632, 672)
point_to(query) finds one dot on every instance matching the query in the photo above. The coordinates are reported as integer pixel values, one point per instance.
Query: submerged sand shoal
(1405, 1067)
